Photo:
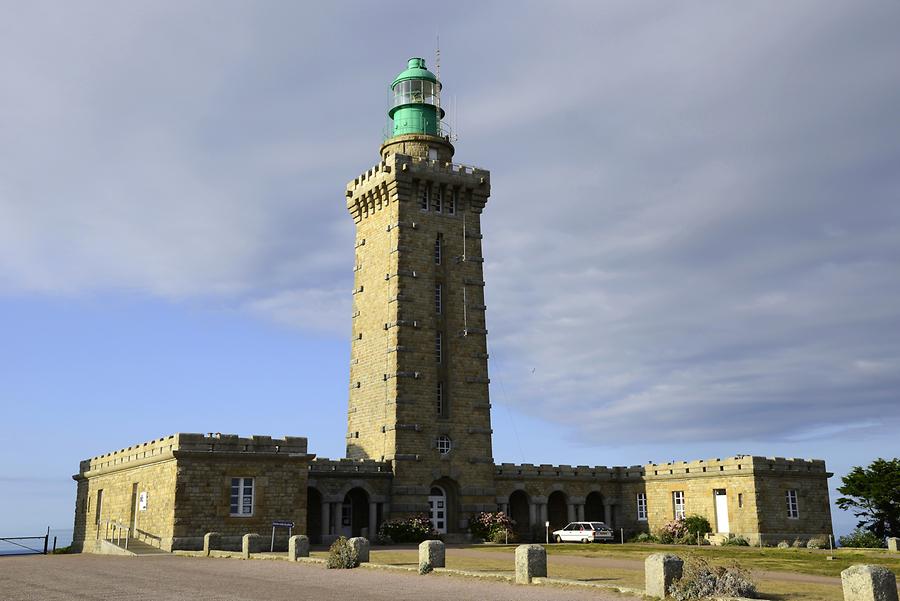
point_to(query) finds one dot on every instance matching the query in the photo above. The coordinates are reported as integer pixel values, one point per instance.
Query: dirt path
(171, 578)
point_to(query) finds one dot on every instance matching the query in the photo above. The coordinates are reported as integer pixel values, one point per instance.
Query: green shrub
(644, 537)
(862, 539)
(672, 532)
(341, 555)
(735, 541)
(502, 537)
(409, 530)
(818, 542)
(700, 581)
(697, 525)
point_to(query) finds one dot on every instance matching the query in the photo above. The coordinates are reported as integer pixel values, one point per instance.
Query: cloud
(693, 228)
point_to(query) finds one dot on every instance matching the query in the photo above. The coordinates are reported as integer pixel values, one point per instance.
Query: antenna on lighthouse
(437, 72)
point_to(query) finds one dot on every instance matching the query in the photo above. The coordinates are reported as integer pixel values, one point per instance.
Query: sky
(692, 244)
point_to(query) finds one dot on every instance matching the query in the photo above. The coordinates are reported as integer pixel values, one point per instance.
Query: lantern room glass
(416, 91)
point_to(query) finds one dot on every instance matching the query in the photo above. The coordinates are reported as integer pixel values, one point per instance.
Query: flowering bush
(413, 529)
(341, 555)
(674, 531)
(701, 581)
(492, 525)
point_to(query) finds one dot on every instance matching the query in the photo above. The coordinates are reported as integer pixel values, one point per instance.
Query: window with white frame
(452, 200)
(793, 509)
(444, 444)
(438, 249)
(436, 204)
(242, 496)
(439, 346)
(642, 506)
(438, 298)
(440, 398)
(678, 502)
(424, 197)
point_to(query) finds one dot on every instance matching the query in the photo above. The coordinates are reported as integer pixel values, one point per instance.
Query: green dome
(415, 69)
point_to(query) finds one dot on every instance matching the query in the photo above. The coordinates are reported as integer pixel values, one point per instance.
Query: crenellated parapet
(323, 466)
(167, 447)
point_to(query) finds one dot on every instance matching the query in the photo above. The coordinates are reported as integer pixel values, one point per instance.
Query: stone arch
(594, 508)
(519, 512)
(314, 514)
(557, 510)
(354, 514)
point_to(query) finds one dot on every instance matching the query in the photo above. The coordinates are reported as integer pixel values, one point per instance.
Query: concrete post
(361, 546)
(249, 544)
(869, 583)
(298, 546)
(326, 519)
(893, 544)
(373, 520)
(660, 570)
(433, 552)
(531, 562)
(211, 541)
(580, 510)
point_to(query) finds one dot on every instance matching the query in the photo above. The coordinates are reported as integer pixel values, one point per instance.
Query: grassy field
(778, 587)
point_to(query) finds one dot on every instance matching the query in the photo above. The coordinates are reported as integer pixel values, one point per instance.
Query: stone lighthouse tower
(418, 365)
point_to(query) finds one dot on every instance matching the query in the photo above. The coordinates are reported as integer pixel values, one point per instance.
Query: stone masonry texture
(869, 583)
(531, 562)
(660, 571)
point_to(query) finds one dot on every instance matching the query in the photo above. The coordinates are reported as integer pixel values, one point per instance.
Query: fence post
(46, 539)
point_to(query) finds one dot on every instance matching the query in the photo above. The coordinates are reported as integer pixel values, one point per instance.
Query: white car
(583, 532)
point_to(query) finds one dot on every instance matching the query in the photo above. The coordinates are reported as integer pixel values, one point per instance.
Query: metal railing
(24, 548)
(114, 531)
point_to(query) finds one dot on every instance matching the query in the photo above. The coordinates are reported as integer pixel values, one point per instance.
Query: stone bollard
(361, 546)
(298, 546)
(894, 544)
(211, 540)
(433, 552)
(660, 570)
(249, 544)
(531, 562)
(869, 583)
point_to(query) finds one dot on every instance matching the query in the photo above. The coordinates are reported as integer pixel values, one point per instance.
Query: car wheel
(557, 538)
(585, 541)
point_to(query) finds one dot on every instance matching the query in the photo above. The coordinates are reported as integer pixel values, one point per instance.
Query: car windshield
(598, 525)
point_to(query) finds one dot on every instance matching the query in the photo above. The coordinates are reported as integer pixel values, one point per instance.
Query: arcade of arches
(532, 512)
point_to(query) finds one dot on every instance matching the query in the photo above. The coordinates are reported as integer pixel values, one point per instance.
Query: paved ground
(169, 578)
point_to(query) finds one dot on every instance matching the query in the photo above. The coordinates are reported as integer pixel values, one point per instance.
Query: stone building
(418, 417)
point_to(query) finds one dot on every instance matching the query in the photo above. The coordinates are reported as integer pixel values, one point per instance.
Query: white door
(437, 502)
(721, 511)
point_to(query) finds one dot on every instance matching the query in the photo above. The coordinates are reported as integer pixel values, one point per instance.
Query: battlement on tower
(349, 466)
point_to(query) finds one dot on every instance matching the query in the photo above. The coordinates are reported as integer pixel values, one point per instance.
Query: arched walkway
(314, 515)
(557, 510)
(518, 511)
(594, 510)
(354, 512)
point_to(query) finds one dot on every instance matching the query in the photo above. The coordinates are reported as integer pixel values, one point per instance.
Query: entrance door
(721, 511)
(132, 523)
(437, 502)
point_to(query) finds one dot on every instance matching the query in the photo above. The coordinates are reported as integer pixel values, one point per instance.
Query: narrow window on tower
(438, 249)
(436, 199)
(424, 197)
(438, 300)
(439, 346)
(452, 198)
(440, 398)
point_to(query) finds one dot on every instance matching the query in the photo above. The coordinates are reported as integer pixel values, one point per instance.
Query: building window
(242, 497)
(440, 398)
(452, 199)
(444, 444)
(438, 249)
(678, 501)
(642, 506)
(439, 347)
(793, 509)
(424, 196)
(436, 199)
(740, 500)
(438, 298)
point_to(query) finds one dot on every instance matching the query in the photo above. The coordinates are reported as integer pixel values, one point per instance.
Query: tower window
(438, 249)
(452, 199)
(436, 204)
(439, 346)
(793, 509)
(444, 444)
(440, 398)
(424, 197)
(438, 298)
